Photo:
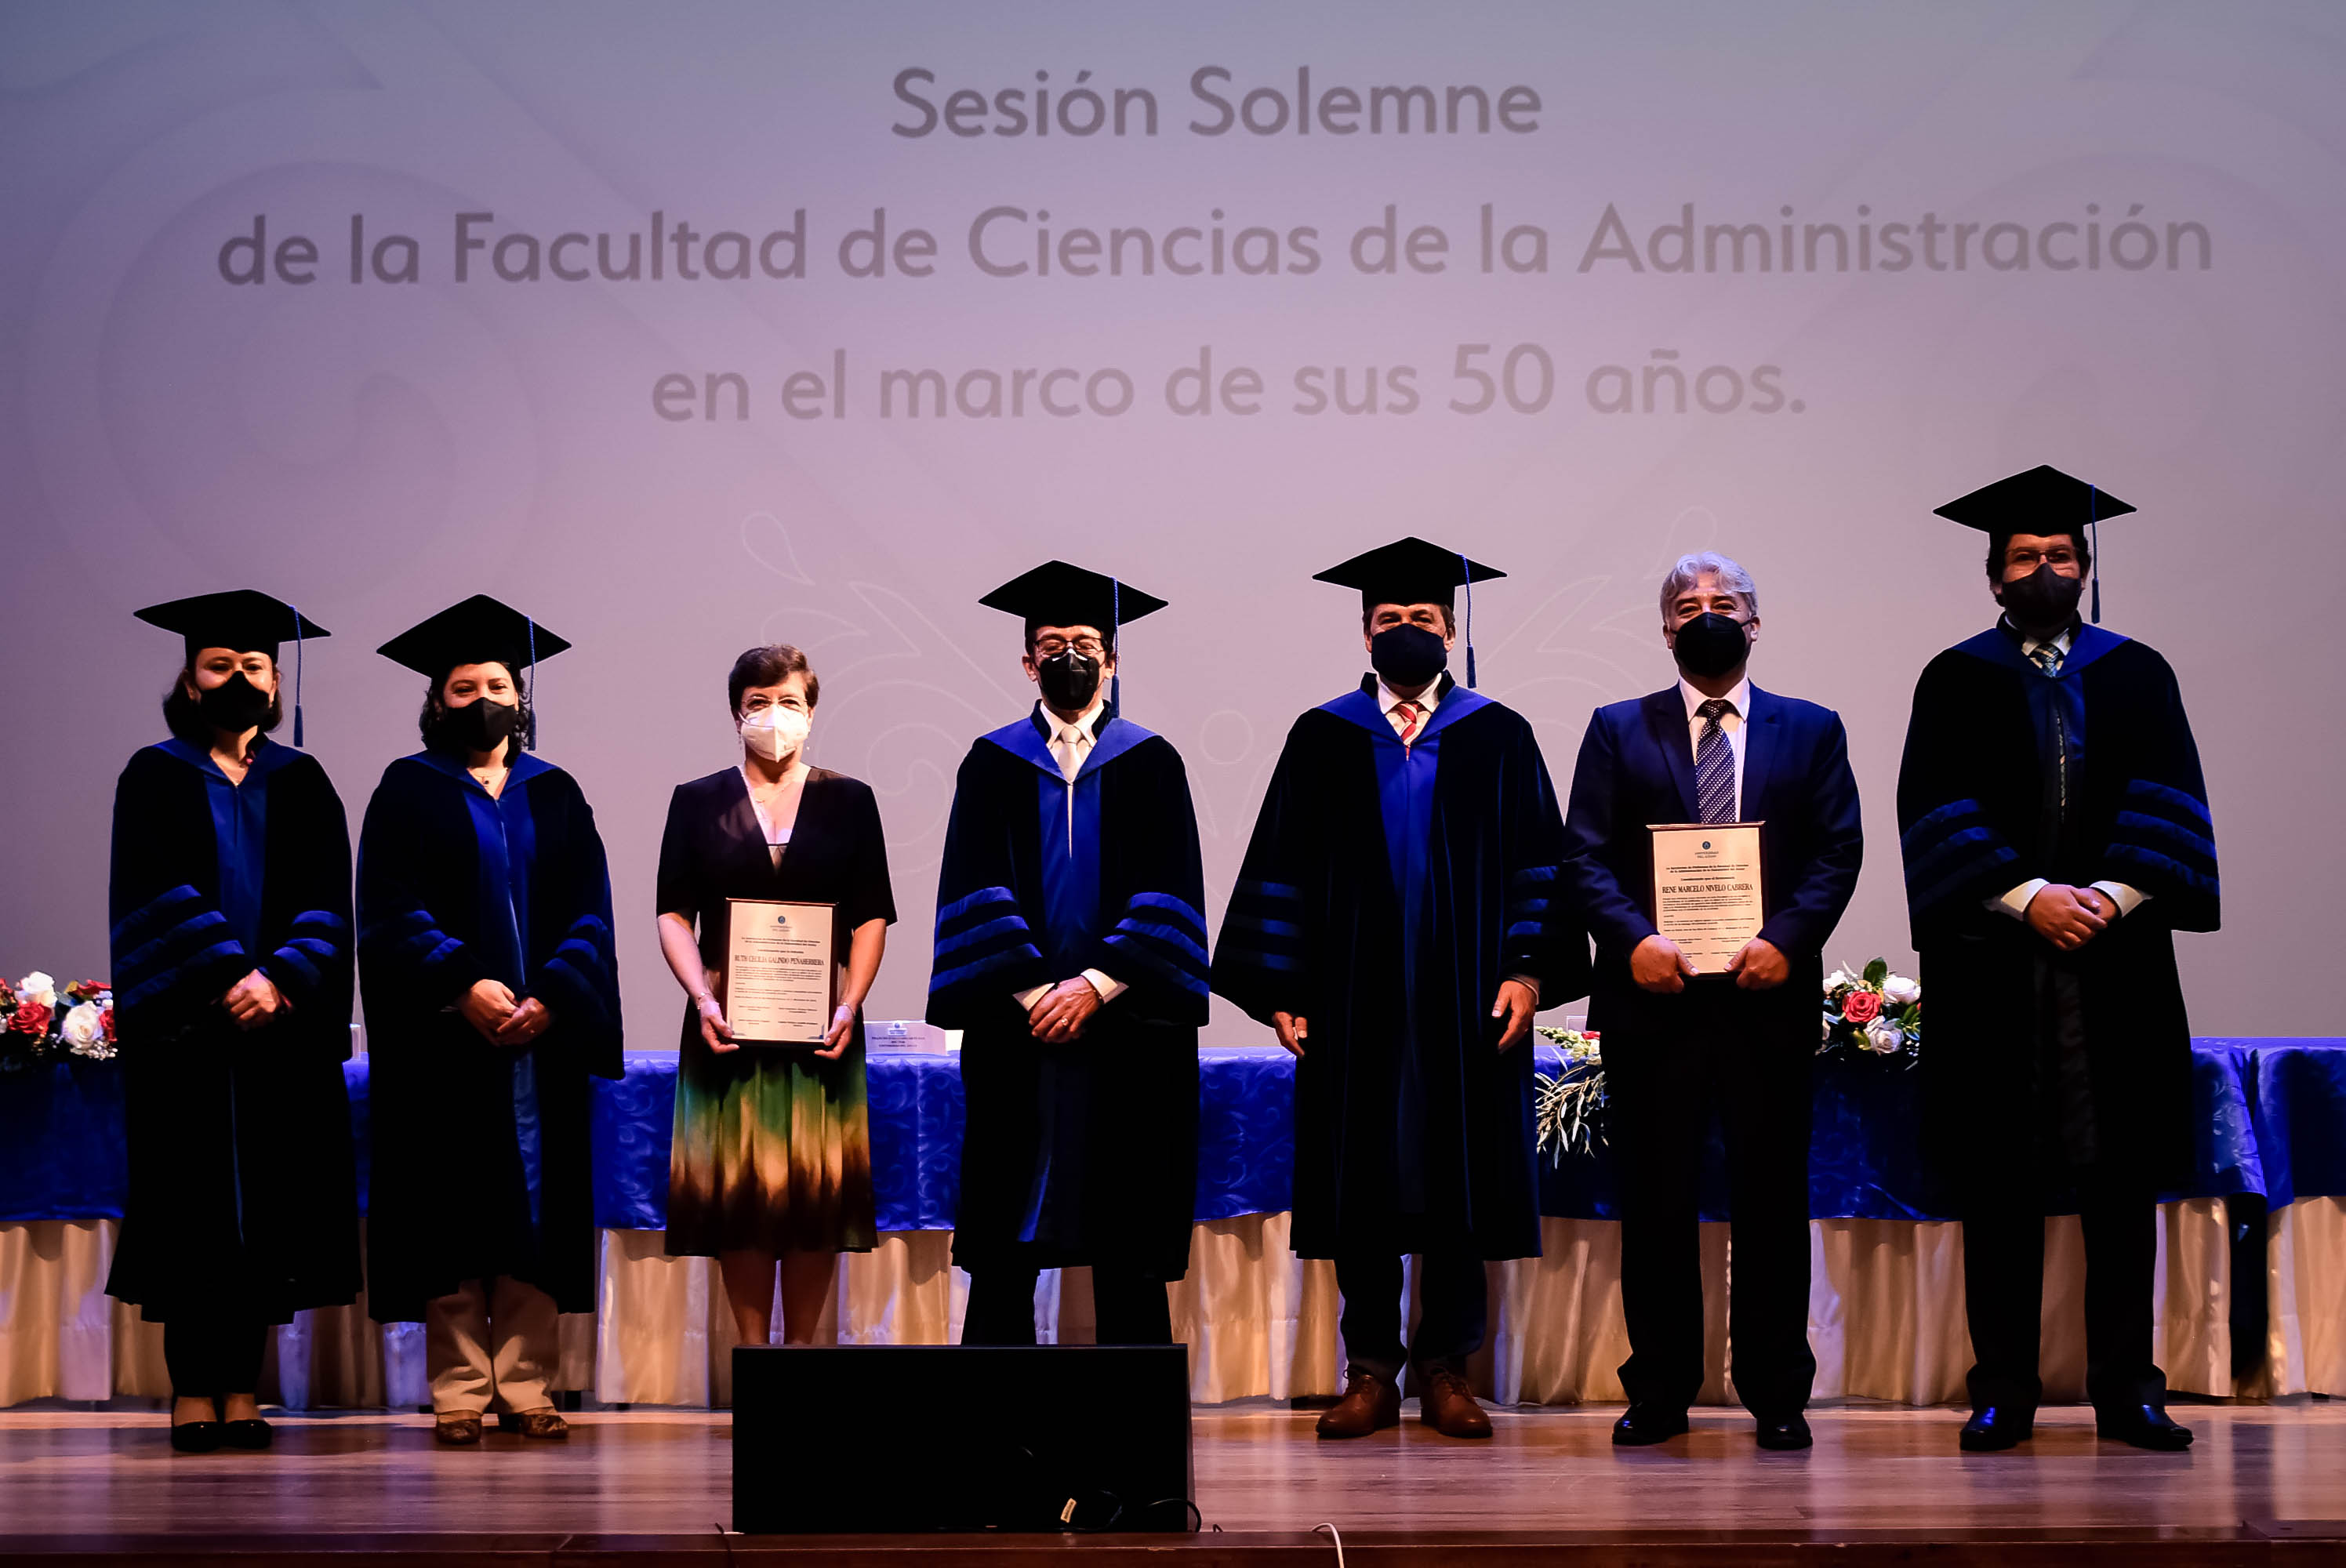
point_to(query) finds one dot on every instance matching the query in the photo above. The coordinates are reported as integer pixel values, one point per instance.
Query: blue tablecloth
(2272, 1125)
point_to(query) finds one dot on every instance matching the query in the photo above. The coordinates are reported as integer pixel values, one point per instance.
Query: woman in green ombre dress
(771, 1165)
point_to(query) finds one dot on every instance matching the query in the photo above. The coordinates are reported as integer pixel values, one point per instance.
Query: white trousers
(490, 1350)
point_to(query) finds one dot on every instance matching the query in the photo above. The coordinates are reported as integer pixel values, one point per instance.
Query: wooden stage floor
(2263, 1483)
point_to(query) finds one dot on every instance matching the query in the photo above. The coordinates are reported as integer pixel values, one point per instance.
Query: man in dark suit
(1680, 1043)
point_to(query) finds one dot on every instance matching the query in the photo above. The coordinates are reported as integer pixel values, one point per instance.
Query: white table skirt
(1885, 1316)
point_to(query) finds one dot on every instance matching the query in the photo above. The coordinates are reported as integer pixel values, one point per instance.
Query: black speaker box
(896, 1439)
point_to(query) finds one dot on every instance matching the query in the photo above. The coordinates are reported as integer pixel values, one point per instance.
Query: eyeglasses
(1052, 647)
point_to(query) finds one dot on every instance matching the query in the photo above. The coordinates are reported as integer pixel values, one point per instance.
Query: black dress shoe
(1790, 1433)
(196, 1437)
(251, 1434)
(1994, 1428)
(1642, 1425)
(2143, 1426)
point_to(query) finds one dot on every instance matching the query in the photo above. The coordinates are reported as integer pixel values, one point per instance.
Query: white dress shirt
(1070, 744)
(1739, 708)
(2015, 903)
(1390, 701)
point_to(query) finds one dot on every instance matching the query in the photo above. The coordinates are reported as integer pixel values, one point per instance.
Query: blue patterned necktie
(2048, 658)
(1714, 764)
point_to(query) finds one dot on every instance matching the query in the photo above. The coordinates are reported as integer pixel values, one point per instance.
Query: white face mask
(777, 733)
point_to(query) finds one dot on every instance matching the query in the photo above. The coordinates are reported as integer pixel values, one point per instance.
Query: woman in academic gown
(492, 997)
(771, 1159)
(229, 901)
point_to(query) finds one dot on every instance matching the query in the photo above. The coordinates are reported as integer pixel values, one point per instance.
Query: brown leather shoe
(1447, 1405)
(457, 1428)
(544, 1423)
(1369, 1405)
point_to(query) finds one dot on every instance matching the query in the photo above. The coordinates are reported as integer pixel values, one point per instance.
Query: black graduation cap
(2043, 500)
(1411, 571)
(1056, 593)
(244, 620)
(480, 630)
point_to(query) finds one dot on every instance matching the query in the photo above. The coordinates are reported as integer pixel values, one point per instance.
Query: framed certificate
(781, 973)
(1708, 894)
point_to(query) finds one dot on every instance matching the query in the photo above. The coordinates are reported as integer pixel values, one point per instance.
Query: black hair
(1034, 628)
(769, 665)
(184, 715)
(1998, 542)
(428, 721)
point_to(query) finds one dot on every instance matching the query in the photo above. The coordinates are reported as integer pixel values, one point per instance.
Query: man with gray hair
(1682, 1041)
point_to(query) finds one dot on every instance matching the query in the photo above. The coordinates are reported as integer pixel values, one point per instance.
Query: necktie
(1412, 719)
(1070, 752)
(1714, 764)
(2048, 658)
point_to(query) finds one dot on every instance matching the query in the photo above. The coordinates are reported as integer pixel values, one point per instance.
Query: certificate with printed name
(781, 975)
(1708, 897)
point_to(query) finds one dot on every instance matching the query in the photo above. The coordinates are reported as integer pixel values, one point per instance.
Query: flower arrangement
(38, 1021)
(1873, 1013)
(1568, 1109)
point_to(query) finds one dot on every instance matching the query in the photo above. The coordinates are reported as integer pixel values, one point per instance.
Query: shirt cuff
(1028, 997)
(2127, 897)
(1530, 984)
(2015, 902)
(1109, 990)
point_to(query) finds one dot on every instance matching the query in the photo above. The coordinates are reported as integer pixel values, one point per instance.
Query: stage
(1882, 1484)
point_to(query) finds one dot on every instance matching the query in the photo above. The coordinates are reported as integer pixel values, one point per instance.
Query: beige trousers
(490, 1350)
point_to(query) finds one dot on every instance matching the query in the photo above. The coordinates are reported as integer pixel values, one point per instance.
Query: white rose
(1900, 992)
(38, 987)
(1839, 977)
(82, 1026)
(1883, 1038)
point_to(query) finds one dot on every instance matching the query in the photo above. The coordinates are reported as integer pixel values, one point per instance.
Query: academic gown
(1084, 1152)
(1386, 893)
(481, 1157)
(242, 1195)
(2041, 1060)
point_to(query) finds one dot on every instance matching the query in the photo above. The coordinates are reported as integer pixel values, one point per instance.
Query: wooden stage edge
(2265, 1483)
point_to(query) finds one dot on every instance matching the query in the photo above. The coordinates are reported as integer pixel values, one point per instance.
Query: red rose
(1861, 1007)
(105, 1022)
(31, 1018)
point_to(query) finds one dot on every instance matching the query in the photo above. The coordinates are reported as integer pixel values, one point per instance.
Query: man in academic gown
(2055, 833)
(1071, 954)
(492, 997)
(1737, 1040)
(1397, 920)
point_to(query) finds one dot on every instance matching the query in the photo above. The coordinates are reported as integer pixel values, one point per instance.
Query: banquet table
(2252, 1296)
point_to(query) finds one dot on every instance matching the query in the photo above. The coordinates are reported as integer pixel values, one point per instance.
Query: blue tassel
(1466, 570)
(297, 677)
(529, 741)
(2093, 538)
(1115, 619)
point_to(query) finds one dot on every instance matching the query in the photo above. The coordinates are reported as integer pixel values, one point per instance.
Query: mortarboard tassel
(529, 692)
(297, 677)
(1466, 570)
(2094, 542)
(1116, 617)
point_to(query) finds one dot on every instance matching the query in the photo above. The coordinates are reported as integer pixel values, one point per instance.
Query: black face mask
(1069, 680)
(479, 726)
(235, 703)
(2043, 599)
(1711, 645)
(1407, 655)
